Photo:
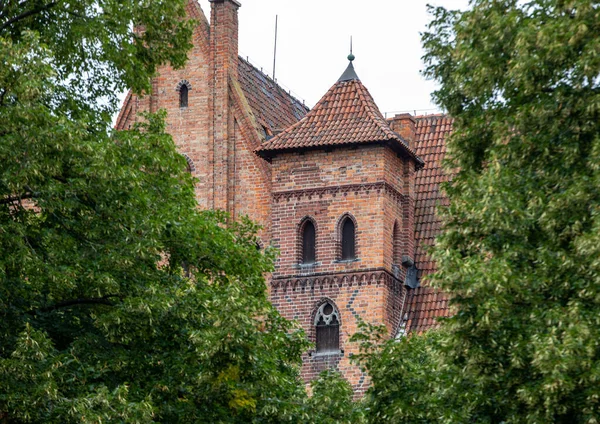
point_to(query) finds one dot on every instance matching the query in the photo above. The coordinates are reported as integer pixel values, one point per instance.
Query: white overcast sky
(314, 40)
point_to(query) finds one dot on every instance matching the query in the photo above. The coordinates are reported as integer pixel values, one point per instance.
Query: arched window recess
(183, 89)
(308, 243)
(348, 239)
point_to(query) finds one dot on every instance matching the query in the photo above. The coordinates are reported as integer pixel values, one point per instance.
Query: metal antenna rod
(275, 48)
(350, 44)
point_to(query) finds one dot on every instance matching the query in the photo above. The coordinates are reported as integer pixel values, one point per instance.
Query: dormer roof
(346, 115)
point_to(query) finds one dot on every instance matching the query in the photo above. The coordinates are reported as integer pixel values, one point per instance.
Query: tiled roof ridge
(277, 86)
(376, 114)
(378, 117)
(433, 115)
(290, 129)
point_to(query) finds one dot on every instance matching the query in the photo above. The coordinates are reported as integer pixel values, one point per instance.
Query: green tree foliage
(331, 401)
(119, 300)
(408, 382)
(520, 252)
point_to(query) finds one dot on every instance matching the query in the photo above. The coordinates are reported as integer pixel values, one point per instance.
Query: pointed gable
(346, 115)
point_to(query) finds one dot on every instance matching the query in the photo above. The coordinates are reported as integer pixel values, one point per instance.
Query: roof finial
(350, 56)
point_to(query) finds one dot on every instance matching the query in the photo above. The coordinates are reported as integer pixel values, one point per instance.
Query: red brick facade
(342, 160)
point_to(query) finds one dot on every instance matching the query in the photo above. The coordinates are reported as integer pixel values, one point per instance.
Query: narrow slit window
(308, 243)
(183, 96)
(327, 326)
(396, 245)
(348, 240)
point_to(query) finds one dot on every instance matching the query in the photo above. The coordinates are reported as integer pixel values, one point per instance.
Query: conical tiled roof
(346, 115)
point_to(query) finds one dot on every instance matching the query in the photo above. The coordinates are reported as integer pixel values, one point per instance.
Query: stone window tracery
(327, 325)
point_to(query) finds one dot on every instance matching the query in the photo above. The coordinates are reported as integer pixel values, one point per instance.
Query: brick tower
(337, 191)
(342, 215)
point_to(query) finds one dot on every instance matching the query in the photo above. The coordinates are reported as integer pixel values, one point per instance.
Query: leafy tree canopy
(119, 300)
(520, 250)
(331, 401)
(521, 246)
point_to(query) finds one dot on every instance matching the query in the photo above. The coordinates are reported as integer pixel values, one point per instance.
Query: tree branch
(11, 199)
(24, 15)
(59, 179)
(105, 300)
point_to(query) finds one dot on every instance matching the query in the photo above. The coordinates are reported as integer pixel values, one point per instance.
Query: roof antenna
(350, 56)
(275, 49)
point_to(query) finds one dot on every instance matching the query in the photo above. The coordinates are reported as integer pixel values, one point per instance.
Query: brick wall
(251, 186)
(208, 131)
(373, 186)
(370, 295)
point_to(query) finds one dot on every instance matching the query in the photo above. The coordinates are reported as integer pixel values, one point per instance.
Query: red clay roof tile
(273, 107)
(427, 304)
(346, 115)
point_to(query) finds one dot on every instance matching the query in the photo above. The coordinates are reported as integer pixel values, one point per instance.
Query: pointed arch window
(183, 96)
(327, 325)
(308, 243)
(348, 239)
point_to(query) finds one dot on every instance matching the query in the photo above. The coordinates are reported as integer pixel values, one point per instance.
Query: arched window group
(327, 328)
(308, 241)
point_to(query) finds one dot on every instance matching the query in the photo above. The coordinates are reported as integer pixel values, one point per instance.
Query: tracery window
(308, 243)
(327, 325)
(348, 239)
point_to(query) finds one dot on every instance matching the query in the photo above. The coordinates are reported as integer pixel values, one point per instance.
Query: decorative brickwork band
(348, 279)
(380, 186)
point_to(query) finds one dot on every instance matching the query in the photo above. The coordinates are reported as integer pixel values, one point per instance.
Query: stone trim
(182, 83)
(339, 189)
(191, 166)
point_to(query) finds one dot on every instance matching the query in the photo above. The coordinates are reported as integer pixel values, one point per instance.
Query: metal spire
(349, 74)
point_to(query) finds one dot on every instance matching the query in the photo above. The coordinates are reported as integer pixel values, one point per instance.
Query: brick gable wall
(218, 131)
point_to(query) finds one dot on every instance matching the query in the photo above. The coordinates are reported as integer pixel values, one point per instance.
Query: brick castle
(347, 196)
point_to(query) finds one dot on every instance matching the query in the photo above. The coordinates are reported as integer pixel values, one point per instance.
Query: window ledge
(346, 261)
(308, 266)
(314, 354)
